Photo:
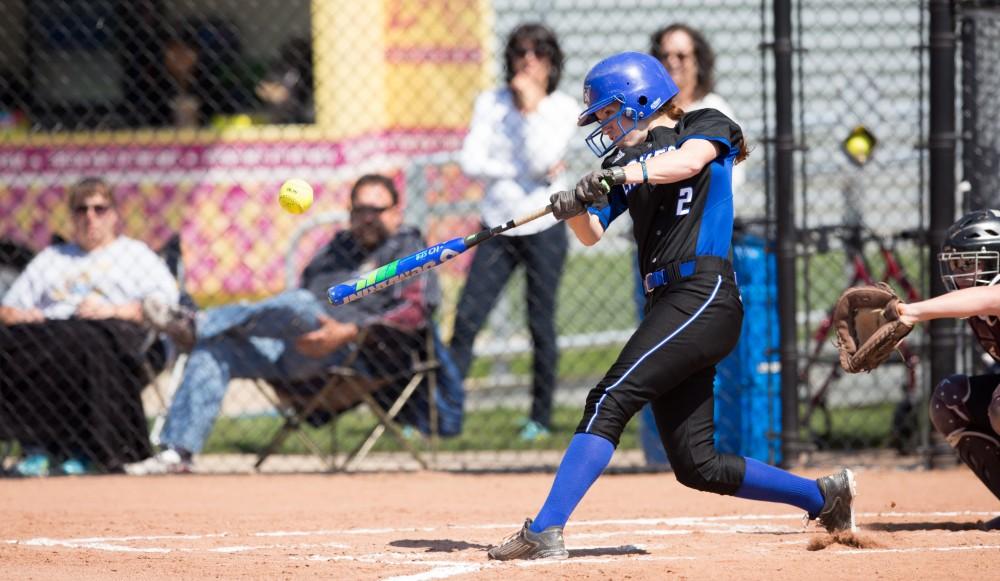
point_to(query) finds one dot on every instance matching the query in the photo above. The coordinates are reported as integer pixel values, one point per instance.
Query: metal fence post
(785, 209)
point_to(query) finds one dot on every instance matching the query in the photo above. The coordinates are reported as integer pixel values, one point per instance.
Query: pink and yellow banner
(402, 86)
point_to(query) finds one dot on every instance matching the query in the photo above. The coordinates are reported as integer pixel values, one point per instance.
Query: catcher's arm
(959, 304)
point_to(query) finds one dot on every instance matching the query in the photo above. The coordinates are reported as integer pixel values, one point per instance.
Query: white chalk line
(440, 573)
(703, 522)
(101, 544)
(442, 569)
(446, 569)
(181, 537)
(112, 544)
(690, 521)
(247, 548)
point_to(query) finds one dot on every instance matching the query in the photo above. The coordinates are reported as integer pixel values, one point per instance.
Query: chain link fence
(861, 118)
(196, 112)
(980, 37)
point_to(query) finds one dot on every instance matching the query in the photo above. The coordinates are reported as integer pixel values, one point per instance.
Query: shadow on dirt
(608, 551)
(438, 545)
(893, 527)
(452, 546)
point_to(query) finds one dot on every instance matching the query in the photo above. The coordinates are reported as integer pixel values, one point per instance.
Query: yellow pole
(348, 65)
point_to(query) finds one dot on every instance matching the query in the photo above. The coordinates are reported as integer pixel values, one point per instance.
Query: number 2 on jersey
(683, 199)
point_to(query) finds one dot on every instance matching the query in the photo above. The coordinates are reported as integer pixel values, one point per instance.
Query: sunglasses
(83, 209)
(523, 51)
(369, 210)
(680, 56)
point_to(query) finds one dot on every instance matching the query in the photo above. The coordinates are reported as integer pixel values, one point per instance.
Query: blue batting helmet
(637, 81)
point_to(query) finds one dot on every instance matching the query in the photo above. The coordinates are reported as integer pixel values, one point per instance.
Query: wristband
(645, 174)
(617, 175)
(613, 176)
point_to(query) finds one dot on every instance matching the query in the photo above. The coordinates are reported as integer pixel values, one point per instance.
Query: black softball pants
(690, 325)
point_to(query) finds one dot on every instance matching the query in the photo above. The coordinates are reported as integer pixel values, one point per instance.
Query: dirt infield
(438, 525)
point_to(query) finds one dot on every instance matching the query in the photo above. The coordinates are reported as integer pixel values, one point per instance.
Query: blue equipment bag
(748, 380)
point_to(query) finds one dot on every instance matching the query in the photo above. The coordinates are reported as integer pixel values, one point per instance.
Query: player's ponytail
(670, 109)
(743, 153)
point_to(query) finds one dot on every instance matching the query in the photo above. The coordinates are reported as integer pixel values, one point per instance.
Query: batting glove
(595, 185)
(566, 205)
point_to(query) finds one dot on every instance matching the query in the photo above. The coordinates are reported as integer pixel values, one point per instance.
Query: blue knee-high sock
(764, 482)
(587, 456)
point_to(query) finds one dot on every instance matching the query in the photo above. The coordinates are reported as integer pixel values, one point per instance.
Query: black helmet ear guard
(970, 255)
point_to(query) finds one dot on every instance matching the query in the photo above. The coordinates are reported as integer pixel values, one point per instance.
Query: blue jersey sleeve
(614, 208)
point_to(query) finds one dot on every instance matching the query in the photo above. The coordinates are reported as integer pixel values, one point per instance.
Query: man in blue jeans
(297, 334)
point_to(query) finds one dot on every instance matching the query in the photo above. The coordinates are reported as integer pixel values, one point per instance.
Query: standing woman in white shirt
(516, 145)
(71, 330)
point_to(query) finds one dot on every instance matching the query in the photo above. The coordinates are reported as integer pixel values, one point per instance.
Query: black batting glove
(566, 205)
(596, 184)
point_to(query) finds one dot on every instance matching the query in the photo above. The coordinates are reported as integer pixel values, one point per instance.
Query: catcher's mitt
(868, 326)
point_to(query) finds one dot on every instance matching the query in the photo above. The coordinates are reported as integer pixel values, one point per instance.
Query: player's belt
(684, 268)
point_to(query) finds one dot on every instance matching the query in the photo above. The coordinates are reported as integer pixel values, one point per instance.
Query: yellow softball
(295, 196)
(859, 147)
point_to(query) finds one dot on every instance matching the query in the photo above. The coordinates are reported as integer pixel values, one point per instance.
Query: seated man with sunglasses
(70, 330)
(297, 334)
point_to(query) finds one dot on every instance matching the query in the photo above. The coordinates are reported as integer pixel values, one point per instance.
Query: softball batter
(673, 173)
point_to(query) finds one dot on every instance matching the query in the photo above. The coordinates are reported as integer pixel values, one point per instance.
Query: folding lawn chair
(384, 391)
(359, 380)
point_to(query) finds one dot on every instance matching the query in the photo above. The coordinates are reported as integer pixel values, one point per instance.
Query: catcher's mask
(970, 255)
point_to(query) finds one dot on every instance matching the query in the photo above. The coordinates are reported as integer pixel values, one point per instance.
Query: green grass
(497, 429)
(574, 364)
(485, 430)
(595, 294)
(856, 427)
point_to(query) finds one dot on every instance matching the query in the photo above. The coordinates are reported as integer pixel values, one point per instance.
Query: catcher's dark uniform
(966, 410)
(693, 310)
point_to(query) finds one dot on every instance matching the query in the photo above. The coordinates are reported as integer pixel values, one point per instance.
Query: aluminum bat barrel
(426, 259)
(396, 271)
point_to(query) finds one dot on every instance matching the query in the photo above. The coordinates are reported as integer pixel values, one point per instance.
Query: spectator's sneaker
(167, 461)
(838, 491)
(32, 465)
(74, 467)
(174, 320)
(534, 431)
(525, 544)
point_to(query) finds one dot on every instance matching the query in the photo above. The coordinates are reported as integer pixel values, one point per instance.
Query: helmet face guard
(970, 255)
(968, 269)
(597, 141)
